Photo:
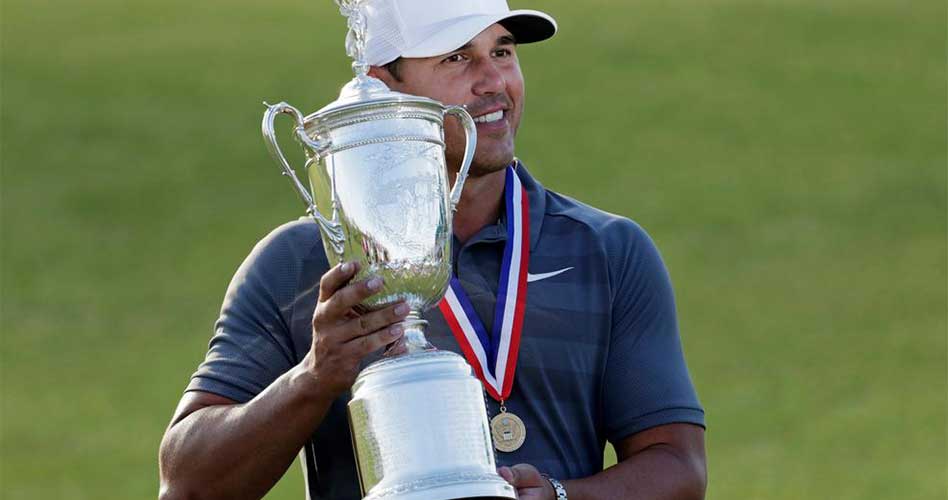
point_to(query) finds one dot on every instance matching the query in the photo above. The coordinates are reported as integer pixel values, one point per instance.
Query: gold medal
(508, 431)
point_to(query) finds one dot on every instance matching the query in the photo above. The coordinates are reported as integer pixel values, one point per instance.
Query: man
(599, 354)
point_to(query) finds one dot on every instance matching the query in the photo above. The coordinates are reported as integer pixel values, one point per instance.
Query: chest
(561, 360)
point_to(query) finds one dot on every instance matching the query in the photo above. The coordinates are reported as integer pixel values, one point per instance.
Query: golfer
(594, 354)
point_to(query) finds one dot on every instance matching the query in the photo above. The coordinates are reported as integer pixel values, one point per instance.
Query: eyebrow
(501, 40)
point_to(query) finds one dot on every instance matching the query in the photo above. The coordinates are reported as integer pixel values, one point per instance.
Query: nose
(490, 80)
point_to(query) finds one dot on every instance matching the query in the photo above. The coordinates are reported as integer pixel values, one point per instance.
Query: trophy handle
(470, 143)
(331, 228)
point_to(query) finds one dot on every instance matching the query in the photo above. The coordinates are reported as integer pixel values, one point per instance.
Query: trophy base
(448, 487)
(420, 432)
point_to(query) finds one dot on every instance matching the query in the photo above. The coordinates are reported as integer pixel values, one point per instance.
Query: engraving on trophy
(407, 202)
(445, 419)
(367, 451)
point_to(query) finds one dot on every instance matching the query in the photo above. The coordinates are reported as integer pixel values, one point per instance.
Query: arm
(664, 462)
(651, 413)
(215, 448)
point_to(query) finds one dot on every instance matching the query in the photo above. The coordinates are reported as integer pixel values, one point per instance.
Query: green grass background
(789, 157)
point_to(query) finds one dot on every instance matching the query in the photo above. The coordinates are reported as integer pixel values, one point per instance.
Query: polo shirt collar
(536, 198)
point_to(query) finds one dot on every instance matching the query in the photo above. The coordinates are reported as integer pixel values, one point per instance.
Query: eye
(503, 53)
(453, 58)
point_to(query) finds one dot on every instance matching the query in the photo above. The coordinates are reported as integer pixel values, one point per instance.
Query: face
(483, 75)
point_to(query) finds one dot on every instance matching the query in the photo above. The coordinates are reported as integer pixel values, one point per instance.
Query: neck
(480, 204)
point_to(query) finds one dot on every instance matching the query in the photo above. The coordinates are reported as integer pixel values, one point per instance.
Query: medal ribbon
(494, 357)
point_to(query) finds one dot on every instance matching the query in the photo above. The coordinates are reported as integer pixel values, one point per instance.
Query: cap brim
(527, 26)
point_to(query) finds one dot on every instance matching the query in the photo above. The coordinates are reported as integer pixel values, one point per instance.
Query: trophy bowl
(378, 189)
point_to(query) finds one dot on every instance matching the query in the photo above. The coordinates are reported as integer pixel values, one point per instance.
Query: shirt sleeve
(646, 381)
(253, 344)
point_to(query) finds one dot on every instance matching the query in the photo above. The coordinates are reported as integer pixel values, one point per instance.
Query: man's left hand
(528, 482)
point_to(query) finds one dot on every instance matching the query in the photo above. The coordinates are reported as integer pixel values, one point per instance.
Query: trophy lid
(364, 90)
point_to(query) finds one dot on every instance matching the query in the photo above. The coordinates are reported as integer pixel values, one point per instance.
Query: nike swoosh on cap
(543, 276)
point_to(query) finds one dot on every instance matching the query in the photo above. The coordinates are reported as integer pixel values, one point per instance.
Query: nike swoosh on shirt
(542, 276)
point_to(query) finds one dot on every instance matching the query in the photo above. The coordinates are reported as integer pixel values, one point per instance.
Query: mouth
(490, 117)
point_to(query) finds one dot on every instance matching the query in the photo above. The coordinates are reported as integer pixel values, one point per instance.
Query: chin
(486, 161)
(490, 161)
(479, 168)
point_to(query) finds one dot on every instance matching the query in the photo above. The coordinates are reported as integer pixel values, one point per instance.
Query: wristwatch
(558, 488)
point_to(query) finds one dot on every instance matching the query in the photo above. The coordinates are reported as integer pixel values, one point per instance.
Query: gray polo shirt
(600, 355)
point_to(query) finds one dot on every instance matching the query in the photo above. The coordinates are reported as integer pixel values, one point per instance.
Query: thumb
(526, 475)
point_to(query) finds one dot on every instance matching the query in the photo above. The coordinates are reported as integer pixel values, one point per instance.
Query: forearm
(658, 472)
(241, 450)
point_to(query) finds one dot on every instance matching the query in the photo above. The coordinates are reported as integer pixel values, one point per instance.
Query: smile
(490, 117)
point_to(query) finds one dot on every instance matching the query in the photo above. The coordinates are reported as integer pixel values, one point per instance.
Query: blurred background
(788, 156)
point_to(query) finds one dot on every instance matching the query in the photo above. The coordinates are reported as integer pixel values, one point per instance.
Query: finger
(377, 320)
(374, 341)
(506, 473)
(514, 477)
(336, 278)
(349, 296)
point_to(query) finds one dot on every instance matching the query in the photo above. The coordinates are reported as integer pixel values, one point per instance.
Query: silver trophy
(378, 190)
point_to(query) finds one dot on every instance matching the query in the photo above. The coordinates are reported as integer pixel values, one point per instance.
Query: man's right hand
(342, 337)
(216, 447)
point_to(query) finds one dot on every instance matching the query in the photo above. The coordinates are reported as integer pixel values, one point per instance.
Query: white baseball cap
(425, 28)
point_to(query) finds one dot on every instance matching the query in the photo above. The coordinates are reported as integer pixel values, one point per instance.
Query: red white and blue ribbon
(494, 357)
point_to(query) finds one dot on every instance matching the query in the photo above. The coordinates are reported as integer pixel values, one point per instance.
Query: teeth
(490, 117)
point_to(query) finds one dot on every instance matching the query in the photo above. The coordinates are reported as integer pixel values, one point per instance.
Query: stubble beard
(479, 168)
(486, 161)
(485, 164)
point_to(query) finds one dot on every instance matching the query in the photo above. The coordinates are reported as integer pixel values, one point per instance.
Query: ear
(383, 74)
